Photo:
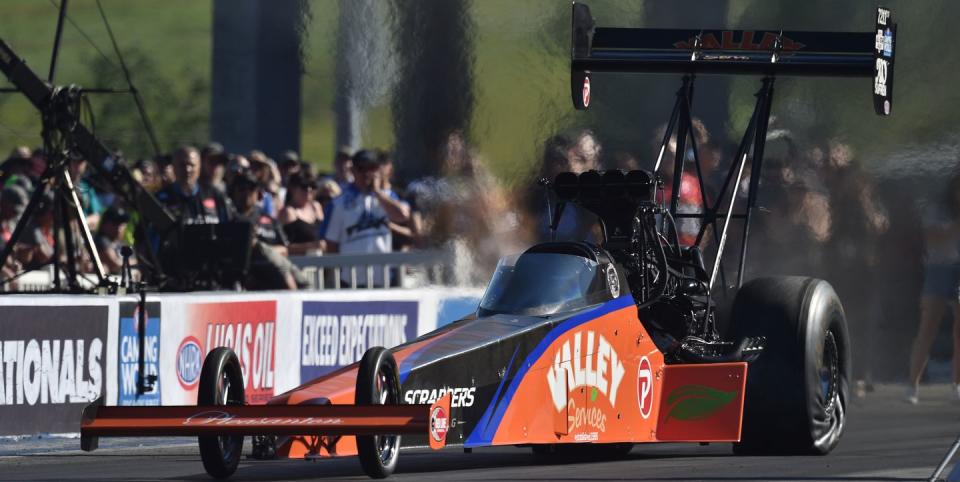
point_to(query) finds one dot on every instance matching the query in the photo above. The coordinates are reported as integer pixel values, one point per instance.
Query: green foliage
(174, 102)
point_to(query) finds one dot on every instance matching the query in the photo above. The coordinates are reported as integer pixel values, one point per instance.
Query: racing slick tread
(785, 411)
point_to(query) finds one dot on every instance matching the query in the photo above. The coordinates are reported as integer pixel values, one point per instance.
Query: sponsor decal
(585, 417)
(613, 281)
(585, 359)
(336, 334)
(52, 362)
(216, 417)
(246, 327)
(459, 397)
(189, 362)
(128, 361)
(883, 16)
(697, 402)
(884, 42)
(439, 423)
(645, 387)
(740, 40)
(880, 79)
(586, 91)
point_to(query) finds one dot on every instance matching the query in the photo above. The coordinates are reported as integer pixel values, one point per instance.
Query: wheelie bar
(102, 421)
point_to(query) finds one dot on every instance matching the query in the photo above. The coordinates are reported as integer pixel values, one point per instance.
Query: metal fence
(332, 271)
(354, 271)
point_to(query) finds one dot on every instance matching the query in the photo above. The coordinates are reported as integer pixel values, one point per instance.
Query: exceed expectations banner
(51, 365)
(336, 334)
(247, 327)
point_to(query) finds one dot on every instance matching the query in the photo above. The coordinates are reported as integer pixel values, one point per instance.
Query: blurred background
(845, 192)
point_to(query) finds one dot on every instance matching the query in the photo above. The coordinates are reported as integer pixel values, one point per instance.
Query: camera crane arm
(54, 103)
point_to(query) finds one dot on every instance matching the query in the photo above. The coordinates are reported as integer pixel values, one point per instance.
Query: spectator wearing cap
(165, 168)
(360, 217)
(213, 161)
(190, 202)
(302, 215)
(149, 175)
(16, 166)
(269, 176)
(289, 165)
(109, 238)
(269, 267)
(343, 167)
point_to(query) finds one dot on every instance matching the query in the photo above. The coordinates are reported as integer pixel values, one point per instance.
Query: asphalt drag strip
(886, 440)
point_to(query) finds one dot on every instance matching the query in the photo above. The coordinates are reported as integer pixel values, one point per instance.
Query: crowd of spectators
(294, 209)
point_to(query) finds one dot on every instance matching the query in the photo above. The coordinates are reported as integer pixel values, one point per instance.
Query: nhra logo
(439, 423)
(645, 387)
(189, 362)
(594, 364)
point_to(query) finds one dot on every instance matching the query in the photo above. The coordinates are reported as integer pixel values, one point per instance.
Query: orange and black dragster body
(592, 375)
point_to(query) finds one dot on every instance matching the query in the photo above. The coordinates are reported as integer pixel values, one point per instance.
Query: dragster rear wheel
(378, 383)
(221, 383)
(797, 390)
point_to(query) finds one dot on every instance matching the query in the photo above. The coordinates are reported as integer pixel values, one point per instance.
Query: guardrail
(353, 271)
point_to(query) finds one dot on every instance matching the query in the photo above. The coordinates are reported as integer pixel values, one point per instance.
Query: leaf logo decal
(697, 402)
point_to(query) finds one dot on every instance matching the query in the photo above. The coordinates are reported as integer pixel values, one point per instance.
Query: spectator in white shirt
(360, 217)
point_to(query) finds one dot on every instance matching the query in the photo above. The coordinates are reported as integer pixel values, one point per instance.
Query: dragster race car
(608, 344)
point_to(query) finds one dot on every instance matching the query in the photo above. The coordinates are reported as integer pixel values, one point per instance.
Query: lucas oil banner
(336, 334)
(52, 363)
(247, 327)
(128, 359)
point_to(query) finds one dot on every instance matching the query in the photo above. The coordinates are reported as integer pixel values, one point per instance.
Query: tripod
(65, 104)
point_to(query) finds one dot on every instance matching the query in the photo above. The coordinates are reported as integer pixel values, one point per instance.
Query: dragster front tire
(221, 383)
(797, 390)
(378, 383)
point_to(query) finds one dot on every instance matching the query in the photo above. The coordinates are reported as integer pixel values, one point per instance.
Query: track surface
(886, 440)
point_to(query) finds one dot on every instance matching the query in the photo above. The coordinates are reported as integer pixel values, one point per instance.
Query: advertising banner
(52, 363)
(336, 334)
(246, 327)
(128, 356)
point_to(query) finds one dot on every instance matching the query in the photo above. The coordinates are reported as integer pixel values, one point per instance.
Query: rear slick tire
(797, 390)
(221, 383)
(378, 383)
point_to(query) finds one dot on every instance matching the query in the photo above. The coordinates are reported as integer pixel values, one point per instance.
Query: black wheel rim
(386, 391)
(229, 445)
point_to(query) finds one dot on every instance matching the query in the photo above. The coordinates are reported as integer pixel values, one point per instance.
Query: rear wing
(759, 52)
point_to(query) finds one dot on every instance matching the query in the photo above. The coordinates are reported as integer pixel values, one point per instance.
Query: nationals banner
(336, 333)
(52, 363)
(246, 327)
(128, 357)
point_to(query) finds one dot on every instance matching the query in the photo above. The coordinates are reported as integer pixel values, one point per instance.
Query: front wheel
(797, 390)
(221, 383)
(378, 383)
